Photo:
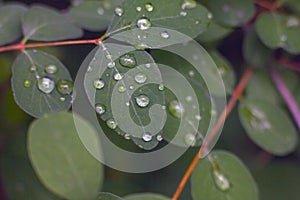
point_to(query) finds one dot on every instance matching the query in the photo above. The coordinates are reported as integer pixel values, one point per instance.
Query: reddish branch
(267, 5)
(289, 64)
(232, 102)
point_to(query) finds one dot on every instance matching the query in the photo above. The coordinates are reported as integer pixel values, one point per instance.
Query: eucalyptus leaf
(36, 87)
(214, 32)
(63, 164)
(269, 126)
(232, 12)
(108, 196)
(222, 176)
(146, 196)
(42, 23)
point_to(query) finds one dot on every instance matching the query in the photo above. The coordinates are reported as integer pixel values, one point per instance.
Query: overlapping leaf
(146, 196)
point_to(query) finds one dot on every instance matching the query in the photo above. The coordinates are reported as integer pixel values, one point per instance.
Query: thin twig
(235, 96)
(289, 64)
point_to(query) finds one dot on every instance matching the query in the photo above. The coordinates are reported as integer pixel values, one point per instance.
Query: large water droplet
(143, 23)
(176, 109)
(188, 4)
(164, 35)
(142, 101)
(147, 137)
(221, 181)
(128, 60)
(27, 83)
(149, 7)
(111, 124)
(64, 86)
(119, 11)
(118, 76)
(99, 84)
(100, 108)
(190, 139)
(51, 69)
(46, 85)
(140, 78)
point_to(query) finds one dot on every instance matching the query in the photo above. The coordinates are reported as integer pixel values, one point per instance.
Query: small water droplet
(161, 87)
(119, 11)
(182, 13)
(118, 76)
(149, 7)
(176, 109)
(141, 46)
(27, 83)
(138, 8)
(140, 78)
(64, 87)
(111, 64)
(283, 38)
(147, 137)
(100, 11)
(128, 60)
(259, 120)
(46, 85)
(62, 99)
(189, 98)
(159, 138)
(99, 84)
(143, 23)
(164, 35)
(127, 103)
(131, 87)
(209, 15)
(111, 124)
(51, 69)
(148, 65)
(121, 89)
(32, 68)
(89, 69)
(188, 4)
(221, 181)
(190, 139)
(198, 117)
(127, 136)
(108, 56)
(163, 107)
(100, 108)
(191, 73)
(142, 100)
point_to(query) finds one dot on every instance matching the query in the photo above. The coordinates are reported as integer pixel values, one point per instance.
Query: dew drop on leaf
(119, 11)
(283, 38)
(111, 64)
(118, 76)
(209, 16)
(127, 136)
(62, 99)
(190, 139)
(140, 78)
(147, 137)
(176, 109)
(100, 11)
(188, 4)
(100, 108)
(32, 68)
(128, 60)
(198, 117)
(159, 138)
(46, 85)
(182, 13)
(99, 84)
(164, 35)
(51, 69)
(27, 83)
(161, 87)
(142, 101)
(121, 89)
(221, 181)
(111, 124)
(139, 8)
(149, 7)
(64, 86)
(143, 23)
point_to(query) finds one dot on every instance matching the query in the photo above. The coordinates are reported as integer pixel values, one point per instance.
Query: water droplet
(121, 89)
(32, 68)
(188, 4)
(127, 136)
(292, 22)
(100, 108)
(163, 107)
(131, 87)
(176, 109)
(64, 86)
(164, 35)
(259, 120)
(118, 76)
(149, 7)
(128, 60)
(100, 11)
(198, 117)
(51, 69)
(119, 11)
(190, 139)
(209, 15)
(89, 69)
(111, 64)
(27, 83)
(140, 78)
(111, 124)
(46, 85)
(188, 98)
(142, 101)
(147, 137)
(283, 38)
(148, 65)
(191, 73)
(127, 103)
(141, 46)
(143, 23)
(159, 138)
(108, 56)
(62, 99)
(139, 8)
(221, 181)
(99, 84)
(161, 87)
(182, 13)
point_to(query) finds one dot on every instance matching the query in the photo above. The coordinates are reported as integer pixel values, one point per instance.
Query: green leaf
(146, 196)
(19, 179)
(108, 196)
(269, 126)
(169, 15)
(214, 32)
(10, 22)
(222, 175)
(93, 15)
(293, 5)
(5, 63)
(46, 24)
(225, 69)
(231, 12)
(254, 51)
(29, 71)
(63, 163)
(278, 30)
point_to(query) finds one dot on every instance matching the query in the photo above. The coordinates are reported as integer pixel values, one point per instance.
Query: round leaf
(62, 163)
(146, 196)
(214, 32)
(241, 184)
(46, 24)
(269, 127)
(28, 70)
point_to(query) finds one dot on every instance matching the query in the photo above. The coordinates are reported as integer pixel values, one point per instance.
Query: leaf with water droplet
(223, 176)
(232, 12)
(94, 15)
(214, 32)
(10, 22)
(269, 126)
(42, 23)
(146, 196)
(80, 174)
(36, 91)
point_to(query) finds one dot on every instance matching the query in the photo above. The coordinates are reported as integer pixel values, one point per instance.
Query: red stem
(289, 64)
(235, 96)
(267, 5)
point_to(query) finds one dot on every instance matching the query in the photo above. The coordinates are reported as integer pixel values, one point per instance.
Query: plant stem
(267, 5)
(289, 64)
(235, 96)
(287, 96)
(22, 46)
